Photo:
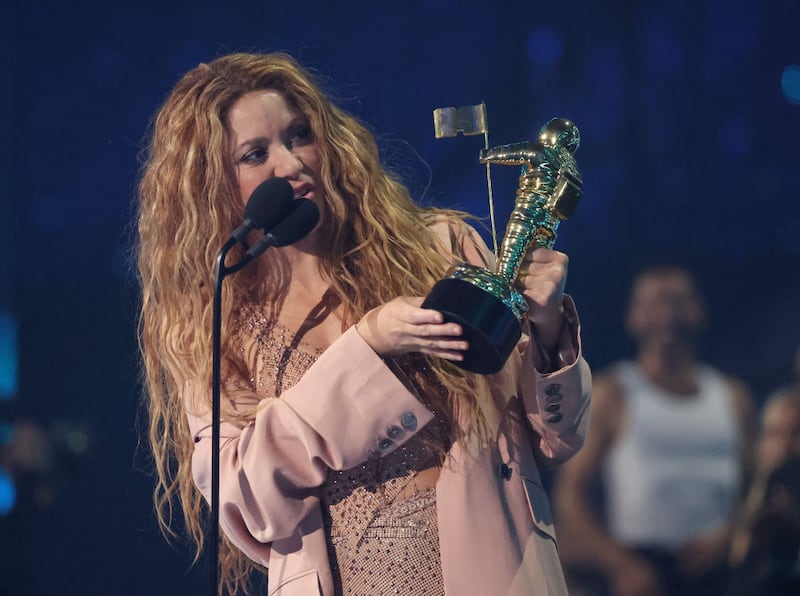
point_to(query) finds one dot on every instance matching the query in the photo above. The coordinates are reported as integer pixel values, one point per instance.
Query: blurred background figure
(765, 553)
(36, 463)
(666, 457)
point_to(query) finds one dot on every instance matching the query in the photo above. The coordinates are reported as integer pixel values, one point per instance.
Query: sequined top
(382, 532)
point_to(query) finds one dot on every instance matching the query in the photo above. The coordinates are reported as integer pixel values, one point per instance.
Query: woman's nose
(287, 164)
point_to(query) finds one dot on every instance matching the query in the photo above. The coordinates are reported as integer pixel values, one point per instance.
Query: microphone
(302, 216)
(267, 205)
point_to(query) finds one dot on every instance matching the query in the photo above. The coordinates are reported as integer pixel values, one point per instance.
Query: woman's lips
(301, 191)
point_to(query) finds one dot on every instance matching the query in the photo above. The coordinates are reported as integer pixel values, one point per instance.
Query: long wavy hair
(188, 205)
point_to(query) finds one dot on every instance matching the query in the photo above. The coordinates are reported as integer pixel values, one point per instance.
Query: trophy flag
(467, 120)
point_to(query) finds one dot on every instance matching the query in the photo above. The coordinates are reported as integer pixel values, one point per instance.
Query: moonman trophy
(485, 303)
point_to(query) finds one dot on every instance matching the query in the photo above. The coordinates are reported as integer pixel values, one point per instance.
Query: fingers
(410, 310)
(542, 281)
(425, 330)
(441, 346)
(452, 355)
(543, 276)
(401, 326)
(544, 261)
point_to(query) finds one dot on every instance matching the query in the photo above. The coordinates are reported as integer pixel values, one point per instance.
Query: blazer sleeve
(556, 393)
(557, 404)
(348, 407)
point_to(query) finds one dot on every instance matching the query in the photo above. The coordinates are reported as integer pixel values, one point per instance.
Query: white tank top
(674, 472)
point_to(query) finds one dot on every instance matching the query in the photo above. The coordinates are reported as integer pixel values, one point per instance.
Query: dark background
(690, 152)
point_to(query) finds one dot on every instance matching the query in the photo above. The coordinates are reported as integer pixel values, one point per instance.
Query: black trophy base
(490, 327)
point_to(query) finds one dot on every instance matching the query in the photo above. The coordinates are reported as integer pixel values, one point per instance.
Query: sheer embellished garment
(380, 517)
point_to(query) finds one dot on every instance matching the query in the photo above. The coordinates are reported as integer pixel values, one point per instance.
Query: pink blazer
(495, 524)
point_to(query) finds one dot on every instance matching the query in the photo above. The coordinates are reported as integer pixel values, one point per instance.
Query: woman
(355, 458)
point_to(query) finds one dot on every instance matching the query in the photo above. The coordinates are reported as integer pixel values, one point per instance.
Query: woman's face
(270, 138)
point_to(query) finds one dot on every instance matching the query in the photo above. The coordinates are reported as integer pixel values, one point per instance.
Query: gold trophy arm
(527, 153)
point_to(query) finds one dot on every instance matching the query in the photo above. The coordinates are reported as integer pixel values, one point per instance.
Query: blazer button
(505, 472)
(554, 407)
(394, 432)
(553, 418)
(385, 444)
(553, 399)
(552, 389)
(409, 421)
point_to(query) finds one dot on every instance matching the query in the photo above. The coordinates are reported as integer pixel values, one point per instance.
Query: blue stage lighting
(790, 84)
(8, 493)
(8, 356)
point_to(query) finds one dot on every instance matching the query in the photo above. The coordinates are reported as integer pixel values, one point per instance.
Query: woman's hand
(542, 277)
(401, 326)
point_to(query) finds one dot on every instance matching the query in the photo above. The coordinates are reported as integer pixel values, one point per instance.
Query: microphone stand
(298, 222)
(220, 272)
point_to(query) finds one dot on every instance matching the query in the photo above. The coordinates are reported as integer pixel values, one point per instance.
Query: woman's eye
(302, 135)
(254, 156)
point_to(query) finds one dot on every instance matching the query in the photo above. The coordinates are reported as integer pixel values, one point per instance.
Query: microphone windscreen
(268, 202)
(300, 220)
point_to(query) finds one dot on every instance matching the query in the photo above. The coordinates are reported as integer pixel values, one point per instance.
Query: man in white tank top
(669, 442)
